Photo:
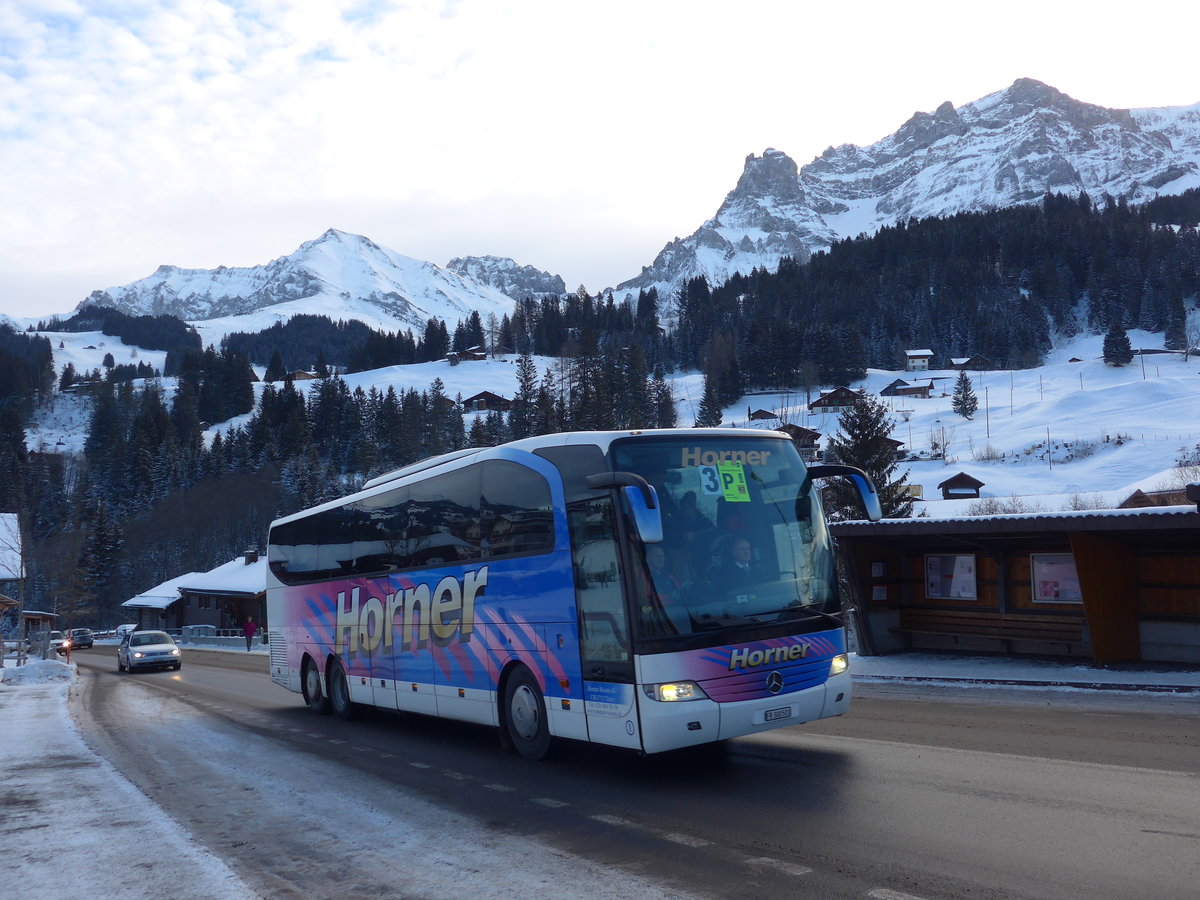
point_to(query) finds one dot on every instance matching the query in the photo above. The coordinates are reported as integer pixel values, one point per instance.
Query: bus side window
(515, 509)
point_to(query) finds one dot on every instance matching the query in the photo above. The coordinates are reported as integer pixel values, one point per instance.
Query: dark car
(148, 650)
(81, 637)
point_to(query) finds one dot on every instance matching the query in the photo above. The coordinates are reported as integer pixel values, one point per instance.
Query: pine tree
(275, 370)
(863, 441)
(710, 408)
(965, 403)
(1117, 350)
(524, 408)
(665, 414)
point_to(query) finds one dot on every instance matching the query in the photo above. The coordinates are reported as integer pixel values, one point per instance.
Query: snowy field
(1109, 430)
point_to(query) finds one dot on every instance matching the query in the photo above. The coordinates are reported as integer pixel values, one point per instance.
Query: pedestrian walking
(249, 630)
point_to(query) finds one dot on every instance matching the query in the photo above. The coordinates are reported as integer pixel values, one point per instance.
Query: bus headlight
(840, 664)
(672, 691)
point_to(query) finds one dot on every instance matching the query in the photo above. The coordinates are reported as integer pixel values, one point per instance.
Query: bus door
(610, 698)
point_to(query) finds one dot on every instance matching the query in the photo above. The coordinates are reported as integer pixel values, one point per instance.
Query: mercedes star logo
(774, 682)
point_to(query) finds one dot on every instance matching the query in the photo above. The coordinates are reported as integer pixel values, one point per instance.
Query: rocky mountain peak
(772, 173)
(925, 129)
(507, 276)
(1007, 148)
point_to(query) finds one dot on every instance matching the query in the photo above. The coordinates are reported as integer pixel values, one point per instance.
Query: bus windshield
(744, 536)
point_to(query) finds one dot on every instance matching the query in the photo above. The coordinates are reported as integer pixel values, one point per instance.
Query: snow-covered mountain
(343, 276)
(508, 276)
(1009, 148)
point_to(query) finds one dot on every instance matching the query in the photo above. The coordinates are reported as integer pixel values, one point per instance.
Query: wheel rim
(312, 683)
(524, 714)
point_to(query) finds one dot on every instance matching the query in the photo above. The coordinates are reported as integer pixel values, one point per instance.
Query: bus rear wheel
(339, 694)
(311, 684)
(525, 715)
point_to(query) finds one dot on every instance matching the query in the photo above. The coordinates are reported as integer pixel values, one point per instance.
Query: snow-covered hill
(343, 276)
(1008, 148)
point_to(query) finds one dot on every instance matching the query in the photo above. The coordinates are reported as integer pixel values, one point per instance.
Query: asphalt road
(928, 793)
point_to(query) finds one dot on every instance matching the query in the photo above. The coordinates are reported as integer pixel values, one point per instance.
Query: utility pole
(987, 418)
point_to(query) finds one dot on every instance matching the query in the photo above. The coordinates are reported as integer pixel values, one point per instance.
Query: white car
(58, 642)
(148, 650)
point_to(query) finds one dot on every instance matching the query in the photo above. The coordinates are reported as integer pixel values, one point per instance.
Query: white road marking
(779, 865)
(612, 820)
(686, 839)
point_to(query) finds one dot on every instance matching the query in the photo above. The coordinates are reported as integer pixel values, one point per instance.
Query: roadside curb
(1006, 682)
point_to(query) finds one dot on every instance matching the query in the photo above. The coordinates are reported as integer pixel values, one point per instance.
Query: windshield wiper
(827, 615)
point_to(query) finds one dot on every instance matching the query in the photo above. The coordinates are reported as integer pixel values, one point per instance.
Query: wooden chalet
(975, 363)
(901, 388)
(835, 400)
(486, 400)
(1145, 499)
(805, 440)
(960, 487)
(471, 354)
(761, 415)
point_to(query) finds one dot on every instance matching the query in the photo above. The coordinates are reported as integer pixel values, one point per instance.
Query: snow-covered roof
(914, 354)
(234, 577)
(1068, 520)
(161, 595)
(10, 547)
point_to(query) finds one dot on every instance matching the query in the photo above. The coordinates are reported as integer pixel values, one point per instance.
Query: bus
(649, 590)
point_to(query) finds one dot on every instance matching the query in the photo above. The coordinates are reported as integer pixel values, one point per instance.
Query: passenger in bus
(662, 582)
(694, 530)
(663, 611)
(738, 573)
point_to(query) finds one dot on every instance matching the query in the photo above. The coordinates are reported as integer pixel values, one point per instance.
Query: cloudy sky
(575, 137)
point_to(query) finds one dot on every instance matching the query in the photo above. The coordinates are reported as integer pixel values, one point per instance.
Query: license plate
(772, 715)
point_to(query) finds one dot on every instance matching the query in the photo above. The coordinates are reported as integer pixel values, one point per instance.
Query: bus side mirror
(862, 483)
(642, 498)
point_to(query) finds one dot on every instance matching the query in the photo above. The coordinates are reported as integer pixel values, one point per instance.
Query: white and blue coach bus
(642, 589)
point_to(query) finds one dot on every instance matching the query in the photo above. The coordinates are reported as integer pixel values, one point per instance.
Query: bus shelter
(1109, 586)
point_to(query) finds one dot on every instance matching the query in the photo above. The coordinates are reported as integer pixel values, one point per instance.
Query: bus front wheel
(525, 715)
(339, 694)
(313, 695)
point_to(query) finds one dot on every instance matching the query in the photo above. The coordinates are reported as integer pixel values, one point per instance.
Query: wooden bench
(1066, 631)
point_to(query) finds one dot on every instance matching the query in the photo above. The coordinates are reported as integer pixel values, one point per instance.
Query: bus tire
(339, 694)
(525, 715)
(310, 684)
